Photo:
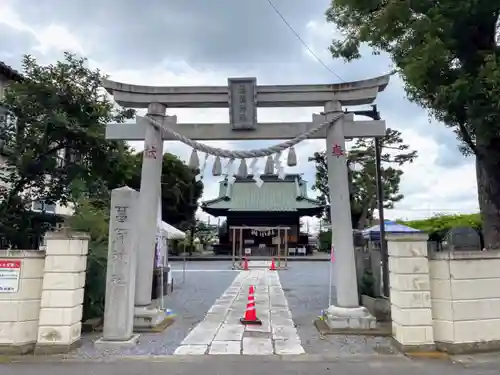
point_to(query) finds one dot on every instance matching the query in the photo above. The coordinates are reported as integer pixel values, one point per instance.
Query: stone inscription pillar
(340, 210)
(122, 265)
(149, 199)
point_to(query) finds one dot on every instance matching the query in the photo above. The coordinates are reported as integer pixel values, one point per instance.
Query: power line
(297, 35)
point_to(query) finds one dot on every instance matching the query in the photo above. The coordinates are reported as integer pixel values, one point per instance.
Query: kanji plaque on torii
(242, 106)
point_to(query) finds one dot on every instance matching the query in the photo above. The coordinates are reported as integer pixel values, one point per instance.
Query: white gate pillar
(149, 199)
(340, 209)
(346, 313)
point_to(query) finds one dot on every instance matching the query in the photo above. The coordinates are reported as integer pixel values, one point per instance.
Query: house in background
(7, 75)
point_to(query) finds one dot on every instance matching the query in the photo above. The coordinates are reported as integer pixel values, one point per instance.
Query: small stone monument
(462, 239)
(121, 271)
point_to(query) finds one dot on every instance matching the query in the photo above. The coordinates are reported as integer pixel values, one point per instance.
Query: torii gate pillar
(340, 209)
(149, 200)
(346, 313)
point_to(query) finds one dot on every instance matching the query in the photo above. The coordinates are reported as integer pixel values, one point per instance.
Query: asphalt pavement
(251, 365)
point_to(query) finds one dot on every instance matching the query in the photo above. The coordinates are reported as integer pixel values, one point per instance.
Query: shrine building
(278, 203)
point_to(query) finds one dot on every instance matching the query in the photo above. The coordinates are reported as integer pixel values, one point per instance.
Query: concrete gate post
(149, 199)
(346, 313)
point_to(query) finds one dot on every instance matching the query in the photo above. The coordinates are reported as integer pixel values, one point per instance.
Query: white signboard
(10, 269)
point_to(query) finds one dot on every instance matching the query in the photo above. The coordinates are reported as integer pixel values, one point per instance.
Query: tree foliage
(448, 55)
(205, 233)
(93, 219)
(362, 175)
(443, 223)
(180, 191)
(53, 137)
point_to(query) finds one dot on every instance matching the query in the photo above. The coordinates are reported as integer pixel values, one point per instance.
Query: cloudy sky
(200, 42)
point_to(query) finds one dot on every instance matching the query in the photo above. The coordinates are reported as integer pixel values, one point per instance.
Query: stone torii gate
(243, 96)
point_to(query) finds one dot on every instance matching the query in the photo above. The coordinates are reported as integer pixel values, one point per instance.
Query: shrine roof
(275, 195)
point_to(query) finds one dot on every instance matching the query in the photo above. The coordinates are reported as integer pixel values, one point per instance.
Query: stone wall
(20, 311)
(44, 314)
(466, 300)
(446, 300)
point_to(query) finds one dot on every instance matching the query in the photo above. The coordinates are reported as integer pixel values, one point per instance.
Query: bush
(94, 220)
(325, 241)
(95, 283)
(367, 285)
(443, 223)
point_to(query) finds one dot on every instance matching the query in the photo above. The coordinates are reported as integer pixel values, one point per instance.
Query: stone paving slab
(191, 350)
(225, 347)
(230, 332)
(222, 331)
(288, 347)
(257, 346)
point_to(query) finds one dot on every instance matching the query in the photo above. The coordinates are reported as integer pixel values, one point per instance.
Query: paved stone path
(222, 333)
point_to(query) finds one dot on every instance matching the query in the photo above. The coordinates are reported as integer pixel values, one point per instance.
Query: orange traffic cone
(273, 266)
(245, 264)
(250, 313)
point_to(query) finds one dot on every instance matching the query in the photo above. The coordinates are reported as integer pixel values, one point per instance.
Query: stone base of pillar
(356, 318)
(148, 317)
(103, 344)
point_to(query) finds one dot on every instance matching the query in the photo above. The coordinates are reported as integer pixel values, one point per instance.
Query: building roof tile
(275, 195)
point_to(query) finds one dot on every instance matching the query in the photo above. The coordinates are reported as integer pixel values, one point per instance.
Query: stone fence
(449, 301)
(41, 295)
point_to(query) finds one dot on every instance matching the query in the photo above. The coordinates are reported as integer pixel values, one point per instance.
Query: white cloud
(427, 187)
(430, 189)
(57, 38)
(53, 38)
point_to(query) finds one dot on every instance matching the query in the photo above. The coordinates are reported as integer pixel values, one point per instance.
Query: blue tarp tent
(373, 233)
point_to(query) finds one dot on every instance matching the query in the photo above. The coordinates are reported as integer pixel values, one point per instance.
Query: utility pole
(375, 115)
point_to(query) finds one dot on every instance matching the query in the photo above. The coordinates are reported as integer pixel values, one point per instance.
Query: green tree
(93, 218)
(448, 55)
(204, 232)
(362, 175)
(443, 223)
(179, 190)
(53, 137)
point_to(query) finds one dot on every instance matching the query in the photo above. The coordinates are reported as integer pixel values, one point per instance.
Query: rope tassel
(217, 168)
(269, 169)
(243, 170)
(194, 161)
(292, 157)
(202, 169)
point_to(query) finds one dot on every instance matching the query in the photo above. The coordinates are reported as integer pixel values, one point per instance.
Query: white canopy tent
(164, 233)
(171, 233)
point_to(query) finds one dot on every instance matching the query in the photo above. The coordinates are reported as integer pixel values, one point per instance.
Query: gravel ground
(190, 301)
(306, 288)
